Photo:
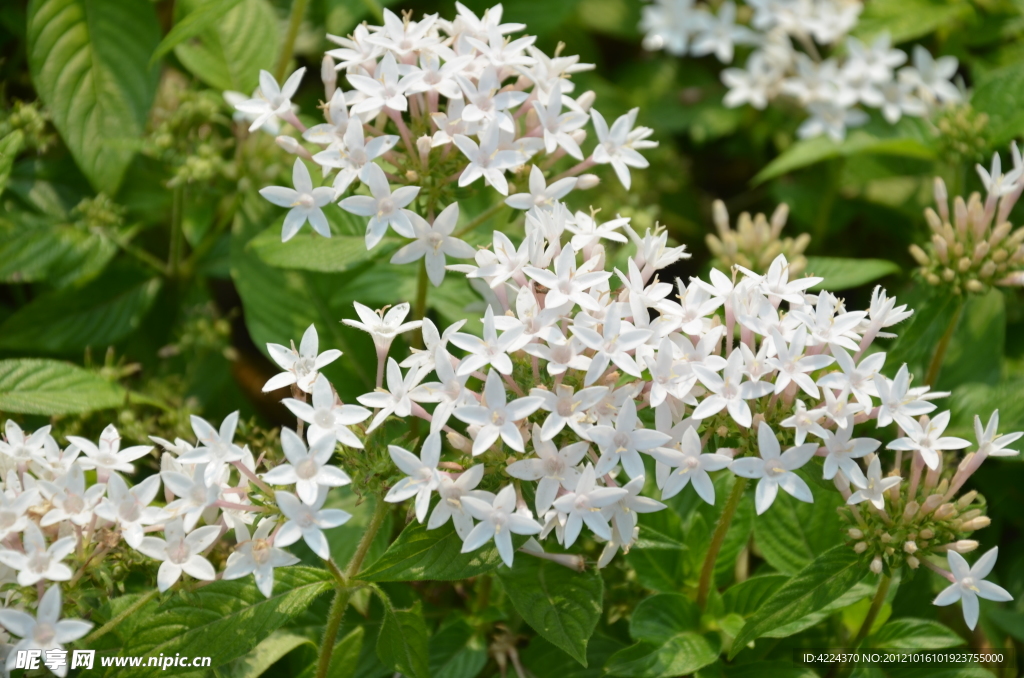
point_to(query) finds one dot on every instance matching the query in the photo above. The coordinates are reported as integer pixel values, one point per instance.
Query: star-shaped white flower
(897, 401)
(383, 327)
(551, 468)
(729, 391)
(386, 89)
(130, 508)
(216, 448)
(557, 126)
(42, 632)
(181, 552)
(39, 562)
(307, 469)
(689, 466)
(928, 439)
(584, 504)
(195, 493)
(624, 514)
(107, 457)
(451, 493)
(490, 350)
(567, 283)
(304, 200)
(970, 584)
(567, 407)
(384, 207)
(842, 452)
(21, 448)
(399, 396)
(272, 101)
(496, 417)
(433, 242)
(775, 470)
(990, 443)
(258, 556)
(873, 487)
(858, 379)
(541, 195)
(485, 160)
(300, 367)
(617, 339)
(498, 521)
(307, 522)
(623, 443)
(69, 499)
(327, 418)
(421, 474)
(616, 145)
(353, 156)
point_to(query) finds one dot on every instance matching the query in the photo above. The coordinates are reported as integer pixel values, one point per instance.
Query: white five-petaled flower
(623, 443)
(568, 283)
(612, 345)
(257, 556)
(728, 391)
(553, 468)
(327, 418)
(20, 447)
(433, 242)
(805, 421)
(624, 514)
(858, 379)
(300, 367)
(353, 157)
(497, 417)
(567, 407)
(43, 632)
(541, 195)
(485, 160)
(615, 145)
(688, 466)
(873, 487)
(39, 562)
(451, 493)
(584, 504)
(897, 401)
(969, 584)
(386, 89)
(421, 474)
(304, 200)
(14, 511)
(272, 101)
(558, 127)
(793, 365)
(399, 396)
(107, 457)
(307, 522)
(383, 327)
(69, 499)
(181, 552)
(498, 521)
(216, 448)
(130, 508)
(195, 493)
(490, 350)
(383, 206)
(307, 469)
(990, 443)
(927, 439)
(842, 452)
(775, 470)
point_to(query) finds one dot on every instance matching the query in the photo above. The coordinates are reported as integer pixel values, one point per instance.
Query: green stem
(935, 366)
(828, 200)
(127, 612)
(294, 22)
(487, 214)
(174, 256)
(420, 311)
(344, 592)
(876, 607)
(707, 572)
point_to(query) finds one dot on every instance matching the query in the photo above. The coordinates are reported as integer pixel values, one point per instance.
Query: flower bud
(927, 533)
(974, 286)
(919, 255)
(910, 547)
(289, 144)
(886, 537)
(913, 563)
(579, 136)
(965, 546)
(910, 511)
(945, 512)
(860, 547)
(855, 533)
(976, 524)
(424, 144)
(586, 100)
(967, 499)
(931, 503)
(329, 76)
(876, 565)
(460, 442)
(587, 182)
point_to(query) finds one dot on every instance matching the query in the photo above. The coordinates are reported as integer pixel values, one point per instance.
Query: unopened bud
(931, 503)
(909, 547)
(855, 533)
(927, 533)
(460, 442)
(970, 515)
(945, 512)
(860, 547)
(913, 563)
(964, 546)
(967, 499)
(886, 537)
(586, 100)
(964, 265)
(919, 255)
(876, 565)
(289, 144)
(976, 524)
(328, 75)
(424, 144)
(910, 511)
(579, 136)
(585, 182)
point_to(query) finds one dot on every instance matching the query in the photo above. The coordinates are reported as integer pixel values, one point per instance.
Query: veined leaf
(1001, 96)
(841, 273)
(34, 386)
(224, 620)
(263, 656)
(792, 533)
(915, 634)
(402, 643)
(919, 335)
(657, 618)
(562, 605)
(456, 651)
(203, 17)
(10, 145)
(680, 654)
(828, 577)
(747, 597)
(907, 20)
(88, 60)
(38, 248)
(309, 251)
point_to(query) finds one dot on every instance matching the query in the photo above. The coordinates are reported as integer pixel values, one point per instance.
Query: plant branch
(294, 22)
(876, 607)
(484, 216)
(127, 612)
(935, 366)
(707, 572)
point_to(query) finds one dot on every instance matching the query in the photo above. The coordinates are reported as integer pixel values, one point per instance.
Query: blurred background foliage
(141, 277)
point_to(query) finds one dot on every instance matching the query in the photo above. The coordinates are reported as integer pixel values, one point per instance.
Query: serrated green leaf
(775, 669)
(456, 651)
(97, 314)
(841, 273)
(263, 656)
(920, 335)
(37, 248)
(345, 658)
(203, 17)
(828, 577)
(792, 533)
(657, 618)
(420, 554)
(562, 605)
(313, 252)
(677, 655)
(914, 634)
(229, 54)
(907, 20)
(224, 620)
(746, 597)
(88, 63)
(36, 386)
(10, 145)
(402, 643)
(1001, 95)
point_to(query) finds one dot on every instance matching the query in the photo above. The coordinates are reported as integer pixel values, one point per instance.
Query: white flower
(39, 562)
(438, 78)
(873, 487)
(995, 182)
(614, 146)
(898, 402)
(491, 350)
(181, 552)
(613, 345)
(842, 451)
(793, 365)
(432, 340)
(859, 380)
(399, 396)
(583, 506)
(404, 37)
(623, 443)
(304, 200)
(498, 521)
(383, 327)
(496, 418)
(421, 474)
(541, 195)
(306, 521)
(451, 493)
(326, 418)
(354, 156)
(107, 457)
(567, 283)
(566, 407)
(331, 133)
(68, 497)
(386, 89)
(720, 34)
(970, 585)
(885, 313)
(450, 392)
(931, 77)
(729, 391)
(775, 470)
(257, 556)
(690, 466)
(485, 105)
(272, 101)
(130, 508)
(624, 514)
(558, 127)
(990, 443)
(14, 511)
(300, 367)
(838, 409)
(434, 241)
(875, 63)
(44, 632)
(588, 232)
(830, 118)
(754, 84)
(485, 160)
(928, 440)
(21, 448)
(216, 448)
(553, 468)
(307, 469)
(384, 207)
(196, 494)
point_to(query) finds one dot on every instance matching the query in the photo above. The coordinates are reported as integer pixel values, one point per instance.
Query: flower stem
(876, 607)
(127, 612)
(717, 539)
(344, 592)
(294, 22)
(935, 366)
(420, 310)
(484, 216)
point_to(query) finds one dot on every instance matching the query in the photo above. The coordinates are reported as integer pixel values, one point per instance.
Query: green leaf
(562, 605)
(921, 334)
(775, 669)
(1001, 95)
(456, 651)
(855, 596)
(841, 273)
(792, 533)
(402, 643)
(915, 634)
(975, 352)
(981, 399)
(828, 577)
(229, 54)
(312, 252)
(36, 386)
(37, 248)
(660, 564)
(97, 314)
(420, 554)
(747, 597)
(657, 618)
(680, 654)
(203, 17)
(10, 145)
(224, 620)
(88, 63)
(345, 658)
(907, 20)
(263, 656)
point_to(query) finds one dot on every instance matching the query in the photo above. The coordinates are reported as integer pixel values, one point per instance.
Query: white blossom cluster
(832, 88)
(435, 101)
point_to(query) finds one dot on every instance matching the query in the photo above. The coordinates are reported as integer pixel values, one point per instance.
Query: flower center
(386, 207)
(261, 550)
(304, 366)
(44, 634)
(773, 468)
(435, 240)
(324, 418)
(622, 441)
(305, 200)
(307, 469)
(498, 418)
(566, 407)
(178, 553)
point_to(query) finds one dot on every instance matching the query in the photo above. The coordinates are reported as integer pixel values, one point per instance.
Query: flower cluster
(830, 89)
(432, 102)
(755, 242)
(975, 247)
